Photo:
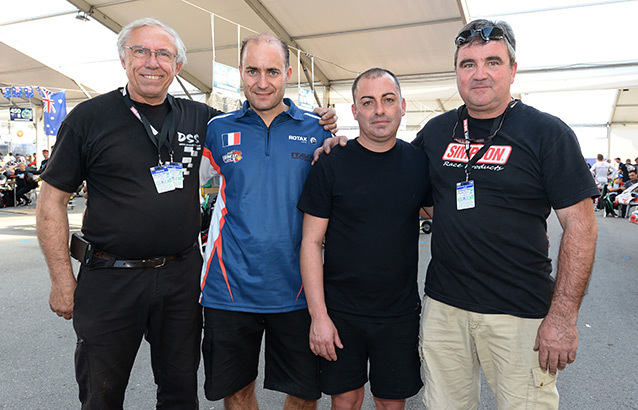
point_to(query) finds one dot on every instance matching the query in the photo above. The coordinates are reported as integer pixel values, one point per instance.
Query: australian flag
(17, 92)
(54, 107)
(6, 92)
(28, 92)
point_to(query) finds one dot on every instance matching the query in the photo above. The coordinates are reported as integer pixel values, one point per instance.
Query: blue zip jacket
(252, 255)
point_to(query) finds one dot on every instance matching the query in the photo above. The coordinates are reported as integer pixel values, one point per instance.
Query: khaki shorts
(456, 344)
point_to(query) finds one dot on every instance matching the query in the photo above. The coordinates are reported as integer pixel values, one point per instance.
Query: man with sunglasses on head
(139, 150)
(490, 300)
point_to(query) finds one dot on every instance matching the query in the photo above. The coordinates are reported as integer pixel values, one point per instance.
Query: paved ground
(36, 347)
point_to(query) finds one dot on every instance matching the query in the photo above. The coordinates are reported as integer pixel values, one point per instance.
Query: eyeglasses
(487, 33)
(476, 140)
(142, 52)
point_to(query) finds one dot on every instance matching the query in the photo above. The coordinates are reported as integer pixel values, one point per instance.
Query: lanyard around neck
(489, 140)
(162, 138)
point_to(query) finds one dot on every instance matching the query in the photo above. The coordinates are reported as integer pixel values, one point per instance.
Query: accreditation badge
(162, 179)
(177, 173)
(464, 195)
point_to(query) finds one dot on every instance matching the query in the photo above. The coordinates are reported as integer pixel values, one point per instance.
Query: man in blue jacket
(250, 280)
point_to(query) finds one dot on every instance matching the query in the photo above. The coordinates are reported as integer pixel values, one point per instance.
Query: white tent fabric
(411, 38)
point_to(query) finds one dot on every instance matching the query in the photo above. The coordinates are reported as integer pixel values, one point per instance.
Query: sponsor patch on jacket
(231, 138)
(299, 138)
(302, 156)
(496, 154)
(232, 156)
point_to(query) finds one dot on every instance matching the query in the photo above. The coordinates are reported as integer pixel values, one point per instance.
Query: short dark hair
(374, 73)
(269, 38)
(510, 40)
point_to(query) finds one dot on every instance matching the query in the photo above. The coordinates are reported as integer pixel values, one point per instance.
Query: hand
(328, 118)
(556, 342)
(324, 337)
(61, 299)
(328, 143)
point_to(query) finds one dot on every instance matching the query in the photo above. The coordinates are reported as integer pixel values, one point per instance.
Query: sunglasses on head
(487, 33)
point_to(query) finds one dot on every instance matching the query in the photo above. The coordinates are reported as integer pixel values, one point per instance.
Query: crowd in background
(613, 181)
(19, 175)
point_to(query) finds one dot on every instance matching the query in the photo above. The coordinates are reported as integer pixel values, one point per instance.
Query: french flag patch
(231, 138)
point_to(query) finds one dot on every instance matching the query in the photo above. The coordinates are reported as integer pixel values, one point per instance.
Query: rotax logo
(299, 138)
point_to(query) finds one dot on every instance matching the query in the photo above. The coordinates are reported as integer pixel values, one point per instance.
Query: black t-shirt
(43, 165)
(24, 178)
(494, 258)
(623, 170)
(102, 142)
(371, 249)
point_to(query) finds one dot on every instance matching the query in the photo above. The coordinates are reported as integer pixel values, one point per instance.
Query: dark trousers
(115, 308)
(22, 189)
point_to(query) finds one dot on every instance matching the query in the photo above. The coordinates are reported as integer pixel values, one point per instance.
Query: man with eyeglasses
(490, 301)
(139, 149)
(140, 263)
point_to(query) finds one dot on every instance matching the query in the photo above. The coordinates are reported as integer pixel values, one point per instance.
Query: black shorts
(391, 346)
(232, 342)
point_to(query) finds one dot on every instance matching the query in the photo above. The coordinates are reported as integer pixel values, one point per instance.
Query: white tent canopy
(563, 46)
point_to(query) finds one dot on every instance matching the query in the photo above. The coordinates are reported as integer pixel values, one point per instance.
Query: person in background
(633, 179)
(602, 171)
(9, 159)
(24, 183)
(31, 160)
(622, 169)
(45, 161)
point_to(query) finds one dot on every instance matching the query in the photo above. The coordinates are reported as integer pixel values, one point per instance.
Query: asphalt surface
(36, 346)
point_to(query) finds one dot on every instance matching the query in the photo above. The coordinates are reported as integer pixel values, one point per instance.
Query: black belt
(105, 260)
(86, 253)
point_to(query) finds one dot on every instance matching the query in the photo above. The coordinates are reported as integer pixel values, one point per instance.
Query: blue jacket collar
(293, 111)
